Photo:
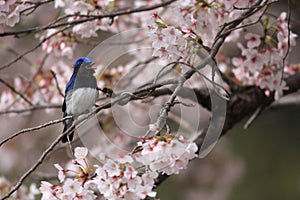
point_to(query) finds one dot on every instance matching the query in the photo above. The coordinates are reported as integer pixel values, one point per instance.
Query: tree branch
(87, 18)
(34, 129)
(34, 108)
(292, 100)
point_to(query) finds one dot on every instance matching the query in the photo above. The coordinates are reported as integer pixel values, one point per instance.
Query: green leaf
(266, 23)
(161, 25)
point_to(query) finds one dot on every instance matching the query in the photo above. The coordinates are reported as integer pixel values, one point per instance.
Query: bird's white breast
(81, 101)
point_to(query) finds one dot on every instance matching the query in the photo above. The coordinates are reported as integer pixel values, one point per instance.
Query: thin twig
(162, 74)
(137, 68)
(56, 83)
(227, 97)
(34, 108)
(31, 81)
(15, 53)
(253, 117)
(255, 22)
(227, 27)
(34, 129)
(16, 92)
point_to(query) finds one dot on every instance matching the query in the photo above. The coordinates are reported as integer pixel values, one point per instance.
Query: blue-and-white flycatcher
(81, 93)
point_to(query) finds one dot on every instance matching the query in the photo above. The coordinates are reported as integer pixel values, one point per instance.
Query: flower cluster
(166, 154)
(64, 44)
(71, 188)
(196, 23)
(203, 19)
(10, 11)
(80, 9)
(130, 176)
(261, 60)
(167, 41)
(118, 179)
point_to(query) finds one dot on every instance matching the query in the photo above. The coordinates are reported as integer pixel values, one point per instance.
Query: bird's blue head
(82, 67)
(86, 62)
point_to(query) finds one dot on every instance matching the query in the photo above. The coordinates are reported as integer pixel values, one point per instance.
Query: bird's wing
(69, 87)
(70, 84)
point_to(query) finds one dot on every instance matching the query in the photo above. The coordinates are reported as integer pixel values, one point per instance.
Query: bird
(80, 94)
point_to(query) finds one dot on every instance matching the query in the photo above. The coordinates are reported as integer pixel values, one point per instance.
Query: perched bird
(81, 93)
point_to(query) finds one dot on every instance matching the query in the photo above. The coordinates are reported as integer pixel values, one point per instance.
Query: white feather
(81, 101)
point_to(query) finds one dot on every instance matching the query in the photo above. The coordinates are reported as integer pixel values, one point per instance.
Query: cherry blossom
(61, 172)
(11, 11)
(167, 41)
(6, 99)
(79, 187)
(154, 127)
(59, 3)
(80, 7)
(13, 18)
(117, 179)
(262, 66)
(86, 194)
(169, 155)
(71, 187)
(48, 191)
(143, 191)
(204, 19)
(88, 29)
(253, 40)
(80, 152)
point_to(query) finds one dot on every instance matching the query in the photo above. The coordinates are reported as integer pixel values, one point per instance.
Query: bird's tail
(69, 136)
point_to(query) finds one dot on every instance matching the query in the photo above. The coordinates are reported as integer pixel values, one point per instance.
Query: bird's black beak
(91, 66)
